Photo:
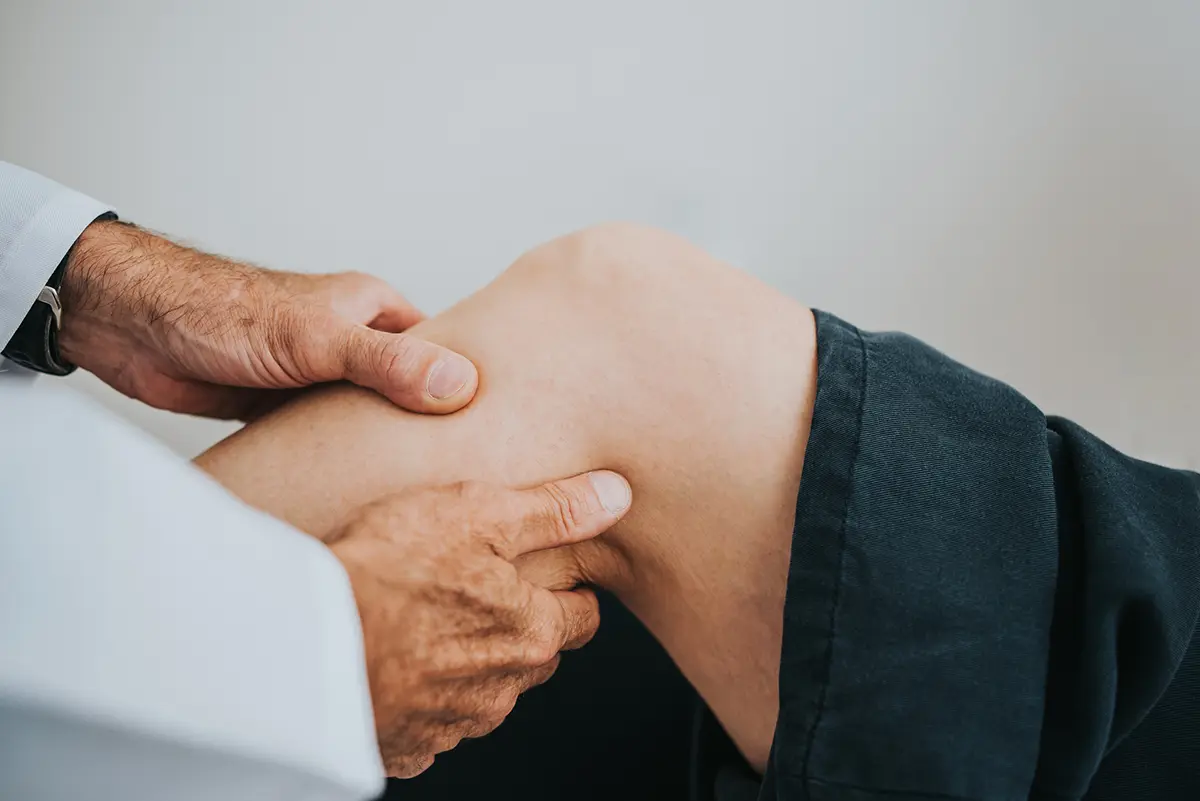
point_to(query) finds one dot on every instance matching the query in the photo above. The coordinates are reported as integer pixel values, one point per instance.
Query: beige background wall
(1017, 182)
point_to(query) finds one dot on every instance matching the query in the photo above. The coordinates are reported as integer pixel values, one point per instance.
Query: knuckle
(491, 713)
(499, 709)
(446, 741)
(479, 663)
(541, 649)
(485, 723)
(404, 757)
(547, 671)
(359, 350)
(566, 510)
(398, 357)
(406, 767)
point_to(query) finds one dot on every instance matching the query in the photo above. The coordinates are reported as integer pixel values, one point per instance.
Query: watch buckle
(49, 296)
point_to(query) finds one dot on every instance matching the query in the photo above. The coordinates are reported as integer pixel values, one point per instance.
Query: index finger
(567, 511)
(395, 313)
(570, 618)
(371, 301)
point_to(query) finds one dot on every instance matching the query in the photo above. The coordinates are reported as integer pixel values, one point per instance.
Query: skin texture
(452, 634)
(617, 347)
(195, 333)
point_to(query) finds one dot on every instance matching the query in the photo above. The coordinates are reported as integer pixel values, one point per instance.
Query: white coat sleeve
(39, 221)
(158, 638)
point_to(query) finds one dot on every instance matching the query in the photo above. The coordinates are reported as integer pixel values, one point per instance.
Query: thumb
(413, 373)
(567, 511)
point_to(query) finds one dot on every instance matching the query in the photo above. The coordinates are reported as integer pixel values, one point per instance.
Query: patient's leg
(618, 347)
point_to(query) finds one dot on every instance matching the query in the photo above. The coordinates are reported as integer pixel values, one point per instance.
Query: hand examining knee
(452, 633)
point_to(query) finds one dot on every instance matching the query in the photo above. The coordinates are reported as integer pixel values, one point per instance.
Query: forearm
(122, 279)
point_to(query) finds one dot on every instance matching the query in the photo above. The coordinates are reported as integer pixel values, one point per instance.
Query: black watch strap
(35, 343)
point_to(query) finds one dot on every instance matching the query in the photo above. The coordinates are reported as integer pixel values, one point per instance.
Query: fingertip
(582, 610)
(612, 490)
(451, 382)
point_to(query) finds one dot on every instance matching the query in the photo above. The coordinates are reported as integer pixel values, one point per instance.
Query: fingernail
(612, 491)
(448, 377)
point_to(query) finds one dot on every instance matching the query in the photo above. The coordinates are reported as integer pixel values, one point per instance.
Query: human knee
(610, 259)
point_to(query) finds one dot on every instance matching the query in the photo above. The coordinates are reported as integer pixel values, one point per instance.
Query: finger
(538, 676)
(371, 301)
(200, 398)
(499, 698)
(567, 511)
(581, 611)
(395, 320)
(569, 619)
(404, 767)
(414, 374)
(395, 313)
(551, 569)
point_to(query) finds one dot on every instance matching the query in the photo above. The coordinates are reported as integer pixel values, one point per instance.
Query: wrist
(106, 263)
(100, 252)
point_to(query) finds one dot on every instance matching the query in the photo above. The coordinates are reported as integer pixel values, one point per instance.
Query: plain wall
(1018, 183)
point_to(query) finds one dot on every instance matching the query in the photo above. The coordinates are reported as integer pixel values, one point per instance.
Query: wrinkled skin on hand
(195, 333)
(453, 633)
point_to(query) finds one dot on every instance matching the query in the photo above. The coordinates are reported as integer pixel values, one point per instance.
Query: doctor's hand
(195, 333)
(452, 633)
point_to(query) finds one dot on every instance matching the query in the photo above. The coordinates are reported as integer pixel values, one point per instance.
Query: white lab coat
(158, 638)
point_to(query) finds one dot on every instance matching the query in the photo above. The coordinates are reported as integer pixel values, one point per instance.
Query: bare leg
(618, 347)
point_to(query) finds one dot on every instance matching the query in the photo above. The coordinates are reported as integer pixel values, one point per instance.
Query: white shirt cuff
(39, 221)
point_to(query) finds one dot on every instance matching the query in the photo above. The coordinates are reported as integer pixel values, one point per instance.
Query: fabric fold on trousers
(983, 602)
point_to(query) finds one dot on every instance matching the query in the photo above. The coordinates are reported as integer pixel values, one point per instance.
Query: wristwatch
(35, 343)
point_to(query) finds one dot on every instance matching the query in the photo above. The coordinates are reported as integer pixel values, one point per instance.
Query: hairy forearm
(120, 276)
